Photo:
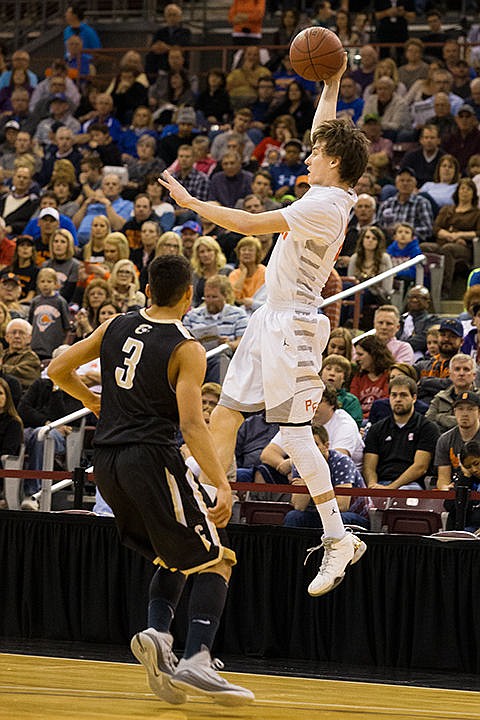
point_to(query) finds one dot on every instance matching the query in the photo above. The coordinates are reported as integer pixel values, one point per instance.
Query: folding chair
(414, 516)
(13, 486)
(264, 512)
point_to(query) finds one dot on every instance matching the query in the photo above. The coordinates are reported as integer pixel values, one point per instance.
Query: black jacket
(41, 403)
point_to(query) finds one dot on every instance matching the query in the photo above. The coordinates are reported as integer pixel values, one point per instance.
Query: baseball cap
(453, 325)
(25, 240)
(407, 169)
(191, 225)
(9, 277)
(49, 212)
(58, 96)
(186, 115)
(466, 108)
(12, 125)
(302, 180)
(467, 397)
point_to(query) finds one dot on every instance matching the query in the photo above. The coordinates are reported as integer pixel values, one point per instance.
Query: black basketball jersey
(138, 402)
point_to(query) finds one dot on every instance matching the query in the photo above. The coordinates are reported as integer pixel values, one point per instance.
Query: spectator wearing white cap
(48, 222)
(49, 200)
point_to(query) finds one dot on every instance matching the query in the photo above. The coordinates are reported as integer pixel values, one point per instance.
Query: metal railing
(44, 495)
(373, 281)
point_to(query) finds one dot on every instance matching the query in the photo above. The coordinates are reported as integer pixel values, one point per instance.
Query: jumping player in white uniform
(278, 361)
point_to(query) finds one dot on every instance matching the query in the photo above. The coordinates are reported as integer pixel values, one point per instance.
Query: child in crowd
(433, 338)
(48, 315)
(336, 372)
(62, 249)
(24, 265)
(404, 246)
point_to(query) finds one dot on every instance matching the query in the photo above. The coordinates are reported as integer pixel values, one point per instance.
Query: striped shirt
(231, 322)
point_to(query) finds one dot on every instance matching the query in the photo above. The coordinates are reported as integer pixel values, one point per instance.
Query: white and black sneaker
(337, 554)
(198, 674)
(153, 649)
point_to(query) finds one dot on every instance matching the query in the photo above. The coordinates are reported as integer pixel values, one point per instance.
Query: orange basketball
(316, 53)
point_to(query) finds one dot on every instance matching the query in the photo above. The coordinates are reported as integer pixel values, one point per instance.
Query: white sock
(299, 444)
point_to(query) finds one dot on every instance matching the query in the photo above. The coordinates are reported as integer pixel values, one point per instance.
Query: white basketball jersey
(303, 258)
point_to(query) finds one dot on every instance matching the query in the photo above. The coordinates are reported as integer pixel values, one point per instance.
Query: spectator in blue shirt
(74, 17)
(349, 103)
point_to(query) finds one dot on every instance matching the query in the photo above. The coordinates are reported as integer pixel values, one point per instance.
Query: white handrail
(373, 281)
(66, 419)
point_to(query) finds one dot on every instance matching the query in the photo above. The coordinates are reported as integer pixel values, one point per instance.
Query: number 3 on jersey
(124, 376)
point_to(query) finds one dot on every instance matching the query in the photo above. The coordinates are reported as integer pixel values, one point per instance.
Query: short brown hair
(340, 361)
(343, 140)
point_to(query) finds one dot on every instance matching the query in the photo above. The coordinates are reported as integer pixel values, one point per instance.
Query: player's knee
(223, 568)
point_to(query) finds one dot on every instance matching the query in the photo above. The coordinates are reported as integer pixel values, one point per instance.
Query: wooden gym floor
(43, 688)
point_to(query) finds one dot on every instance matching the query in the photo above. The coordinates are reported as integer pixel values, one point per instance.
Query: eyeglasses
(465, 115)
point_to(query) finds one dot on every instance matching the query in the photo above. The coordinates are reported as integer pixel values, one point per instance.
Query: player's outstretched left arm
(327, 105)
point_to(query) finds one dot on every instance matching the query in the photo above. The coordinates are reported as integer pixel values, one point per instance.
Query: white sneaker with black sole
(153, 649)
(337, 555)
(198, 674)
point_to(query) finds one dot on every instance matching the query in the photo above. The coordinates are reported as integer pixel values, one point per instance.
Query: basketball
(316, 53)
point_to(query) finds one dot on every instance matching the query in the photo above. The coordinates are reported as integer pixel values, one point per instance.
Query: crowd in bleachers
(82, 215)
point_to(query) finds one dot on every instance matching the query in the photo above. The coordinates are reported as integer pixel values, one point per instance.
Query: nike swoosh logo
(202, 622)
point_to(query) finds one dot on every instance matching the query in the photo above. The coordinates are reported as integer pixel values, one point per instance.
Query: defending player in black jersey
(152, 373)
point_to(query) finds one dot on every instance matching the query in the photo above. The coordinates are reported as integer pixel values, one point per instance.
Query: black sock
(207, 601)
(165, 591)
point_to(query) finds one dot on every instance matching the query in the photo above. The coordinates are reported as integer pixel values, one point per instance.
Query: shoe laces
(329, 548)
(310, 551)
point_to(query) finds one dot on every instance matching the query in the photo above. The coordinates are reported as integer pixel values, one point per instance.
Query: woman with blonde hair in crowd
(385, 68)
(340, 343)
(169, 243)
(124, 286)
(62, 250)
(115, 248)
(207, 260)
(5, 318)
(249, 277)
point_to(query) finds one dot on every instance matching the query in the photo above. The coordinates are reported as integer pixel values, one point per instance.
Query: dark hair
(78, 10)
(141, 195)
(169, 276)
(342, 140)
(473, 188)
(403, 381)
(185, 82)
(93, 161)
(320, 432)
(381, 356)
(455, 163)
(98, 127)
(469, 449)
(379, 250)
(330, 396)
(218, 72)
(10, 408)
